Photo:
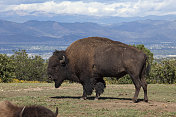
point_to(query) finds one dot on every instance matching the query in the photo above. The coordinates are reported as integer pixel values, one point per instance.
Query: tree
(164, 72)
(29, 68)
(38, 69)
(7, 68)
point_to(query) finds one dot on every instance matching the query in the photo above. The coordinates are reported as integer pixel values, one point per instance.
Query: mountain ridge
(139, 31)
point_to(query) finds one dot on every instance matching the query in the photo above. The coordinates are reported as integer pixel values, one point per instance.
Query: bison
(8, 109)
(88, 60)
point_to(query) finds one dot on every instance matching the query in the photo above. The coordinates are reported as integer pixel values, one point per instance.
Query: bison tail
(148, 69)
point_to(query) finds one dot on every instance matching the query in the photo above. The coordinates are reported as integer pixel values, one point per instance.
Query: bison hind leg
(99, 88)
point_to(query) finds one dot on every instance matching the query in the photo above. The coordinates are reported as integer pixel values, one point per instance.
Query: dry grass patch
(116, 100)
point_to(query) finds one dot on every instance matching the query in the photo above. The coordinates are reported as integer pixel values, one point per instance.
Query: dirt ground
(143, 106)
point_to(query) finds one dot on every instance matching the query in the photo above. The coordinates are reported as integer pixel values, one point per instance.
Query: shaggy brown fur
(88, 60)
(8, 109)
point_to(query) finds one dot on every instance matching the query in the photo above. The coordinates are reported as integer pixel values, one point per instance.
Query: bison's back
(90, 42)
(106, 53)
(88, 46)
(93, 43)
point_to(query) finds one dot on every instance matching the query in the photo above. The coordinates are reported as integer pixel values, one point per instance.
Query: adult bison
(90, 59)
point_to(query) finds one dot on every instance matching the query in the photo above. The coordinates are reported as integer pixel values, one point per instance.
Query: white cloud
(123, 9)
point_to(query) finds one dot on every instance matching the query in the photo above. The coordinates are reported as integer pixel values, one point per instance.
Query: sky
(92, 8)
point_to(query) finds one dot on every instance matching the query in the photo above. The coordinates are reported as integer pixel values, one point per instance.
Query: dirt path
(143, 106)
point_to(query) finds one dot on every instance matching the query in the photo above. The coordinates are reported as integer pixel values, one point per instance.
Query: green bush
(7, 70)
(124, 80)
(163, 72)
(22, 67)
(29, 68)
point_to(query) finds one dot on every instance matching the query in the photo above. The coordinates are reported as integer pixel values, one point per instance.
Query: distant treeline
(22, 67)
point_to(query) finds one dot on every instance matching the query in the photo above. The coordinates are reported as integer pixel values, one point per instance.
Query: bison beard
(7, 109)
(88, 60)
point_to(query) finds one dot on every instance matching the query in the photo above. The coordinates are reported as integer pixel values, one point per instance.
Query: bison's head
(57, 67)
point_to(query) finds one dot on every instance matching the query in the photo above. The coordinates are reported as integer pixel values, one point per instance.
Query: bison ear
(55, 52)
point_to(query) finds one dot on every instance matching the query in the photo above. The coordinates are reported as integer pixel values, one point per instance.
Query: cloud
(126, 8)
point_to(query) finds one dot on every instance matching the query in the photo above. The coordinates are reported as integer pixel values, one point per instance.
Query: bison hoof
(135, 101)
(145, 100)
(83, 98)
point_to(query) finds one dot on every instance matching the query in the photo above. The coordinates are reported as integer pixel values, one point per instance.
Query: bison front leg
(84, 96)
(87, 88)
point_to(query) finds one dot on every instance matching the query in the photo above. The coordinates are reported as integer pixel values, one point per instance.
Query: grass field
(116, 100)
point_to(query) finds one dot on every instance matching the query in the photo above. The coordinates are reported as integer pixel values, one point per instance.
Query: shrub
(7, 69)
(22, 67)
(29, 68)
(163, 72)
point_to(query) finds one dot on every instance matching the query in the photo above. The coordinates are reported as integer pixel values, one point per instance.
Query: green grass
(115, 101)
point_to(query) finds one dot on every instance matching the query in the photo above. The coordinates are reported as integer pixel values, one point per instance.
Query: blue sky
(94, 8)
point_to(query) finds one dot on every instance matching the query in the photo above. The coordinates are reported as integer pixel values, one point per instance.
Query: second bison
(88, 60)
(7, 109)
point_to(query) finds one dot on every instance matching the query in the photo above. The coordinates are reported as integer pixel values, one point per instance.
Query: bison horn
(56, 111)
(21, 113)
(63, 60)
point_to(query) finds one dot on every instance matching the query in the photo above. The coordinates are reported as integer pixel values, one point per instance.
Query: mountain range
(139, 31)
